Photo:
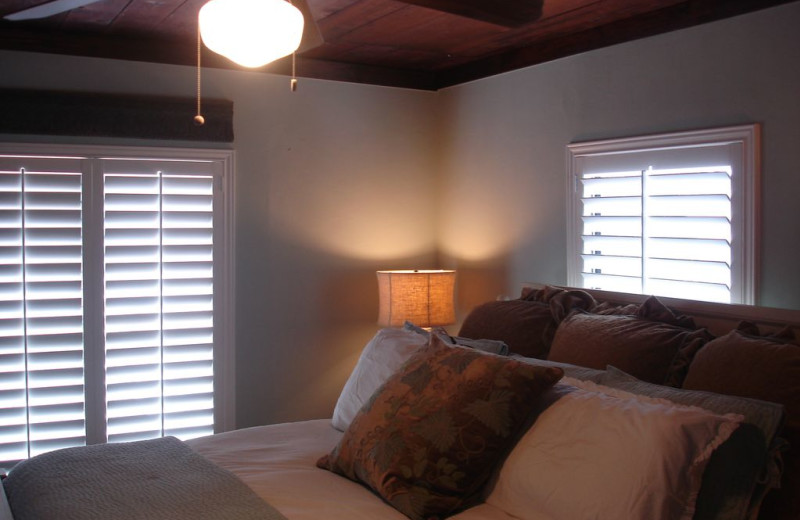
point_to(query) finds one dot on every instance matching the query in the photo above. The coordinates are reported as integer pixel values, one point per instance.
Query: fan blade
(48, 9)
(312, 37)
(508, 13)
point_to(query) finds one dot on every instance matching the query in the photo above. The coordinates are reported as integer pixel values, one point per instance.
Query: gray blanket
(145, 480)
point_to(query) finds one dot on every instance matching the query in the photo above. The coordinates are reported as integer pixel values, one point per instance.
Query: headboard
(718, 318)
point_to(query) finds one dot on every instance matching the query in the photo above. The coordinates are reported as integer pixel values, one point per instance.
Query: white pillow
(381, 357)
(602, 453)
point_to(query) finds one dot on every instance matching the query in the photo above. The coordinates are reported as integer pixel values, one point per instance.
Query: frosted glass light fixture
(423, 297)
(251, 33)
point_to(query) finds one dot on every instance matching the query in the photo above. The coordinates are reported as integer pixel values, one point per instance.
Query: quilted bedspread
(153, 479)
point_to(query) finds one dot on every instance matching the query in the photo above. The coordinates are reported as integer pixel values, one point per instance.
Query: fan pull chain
(293, 82)
(199, 120)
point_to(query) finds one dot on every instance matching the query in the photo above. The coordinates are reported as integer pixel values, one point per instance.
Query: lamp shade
(425, 298)
(251, 32)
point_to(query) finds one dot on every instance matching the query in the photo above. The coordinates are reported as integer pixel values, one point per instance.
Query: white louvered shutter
(670, 215)
(664, 232)
(688, 233)
(41, 306)
(158, 298)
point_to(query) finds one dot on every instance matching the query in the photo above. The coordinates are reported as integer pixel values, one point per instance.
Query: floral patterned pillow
(429, 438)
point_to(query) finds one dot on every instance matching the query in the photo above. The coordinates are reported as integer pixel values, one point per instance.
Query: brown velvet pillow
(430, 437)
(652, 351)
(761, 368)
(654, 310)
(526, 327)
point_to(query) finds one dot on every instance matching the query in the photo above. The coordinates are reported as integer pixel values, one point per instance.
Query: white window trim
(224, 265)
(746, 188)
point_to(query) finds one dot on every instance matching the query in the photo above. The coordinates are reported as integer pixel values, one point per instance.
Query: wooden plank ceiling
(424, 44)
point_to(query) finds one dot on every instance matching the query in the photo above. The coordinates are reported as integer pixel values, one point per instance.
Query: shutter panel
(41, 306)
(688, 233)
(188, 287)
(612, 230)
(158, 298)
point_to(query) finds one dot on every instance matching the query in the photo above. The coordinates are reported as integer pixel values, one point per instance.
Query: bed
(578, 437)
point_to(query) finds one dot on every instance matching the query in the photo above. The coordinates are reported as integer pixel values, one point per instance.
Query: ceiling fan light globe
(251, 33)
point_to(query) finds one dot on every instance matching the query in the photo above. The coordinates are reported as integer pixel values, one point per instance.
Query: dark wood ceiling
(424, 44)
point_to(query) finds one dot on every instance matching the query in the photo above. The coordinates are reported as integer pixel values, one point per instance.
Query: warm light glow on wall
(498, 218)
(425, 298)
(251, 33)
(355, 215)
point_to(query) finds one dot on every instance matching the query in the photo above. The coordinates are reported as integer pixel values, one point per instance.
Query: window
(114, 296)
(670, 215)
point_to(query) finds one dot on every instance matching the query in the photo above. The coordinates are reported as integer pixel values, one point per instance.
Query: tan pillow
(761, 368)
(652, 351)
(430, 437)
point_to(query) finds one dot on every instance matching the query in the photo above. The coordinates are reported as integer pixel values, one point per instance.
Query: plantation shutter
(158, 258)
(670, 215)
(41, 306)
(665, 232)
(688, 233)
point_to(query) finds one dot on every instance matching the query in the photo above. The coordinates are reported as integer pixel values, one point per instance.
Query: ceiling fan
(508, 13)
(47, 9)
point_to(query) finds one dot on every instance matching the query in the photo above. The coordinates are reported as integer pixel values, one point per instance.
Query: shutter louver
(159, 295)
(41, 306)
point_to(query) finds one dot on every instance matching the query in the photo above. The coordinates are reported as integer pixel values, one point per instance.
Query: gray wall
(503, 161)
(338, 180)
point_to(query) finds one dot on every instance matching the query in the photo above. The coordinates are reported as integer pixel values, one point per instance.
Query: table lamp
(423, 297)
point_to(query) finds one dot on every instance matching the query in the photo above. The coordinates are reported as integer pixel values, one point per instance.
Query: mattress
(279, 463)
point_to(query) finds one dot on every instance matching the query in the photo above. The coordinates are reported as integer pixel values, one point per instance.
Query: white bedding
(279, 463)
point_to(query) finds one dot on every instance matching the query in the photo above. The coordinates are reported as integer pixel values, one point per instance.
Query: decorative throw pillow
(604, 454)
(526, 327)
(429, 438)
(743, 469)
(382, 356)
(652, 351)
(763, 368)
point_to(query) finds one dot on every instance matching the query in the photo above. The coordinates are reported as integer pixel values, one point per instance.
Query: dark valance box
(37, 112)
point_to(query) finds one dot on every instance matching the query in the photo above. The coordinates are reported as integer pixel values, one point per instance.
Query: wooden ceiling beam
(508, 13)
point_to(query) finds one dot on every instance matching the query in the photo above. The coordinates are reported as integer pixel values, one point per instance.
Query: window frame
(745, 197)
(224, 264)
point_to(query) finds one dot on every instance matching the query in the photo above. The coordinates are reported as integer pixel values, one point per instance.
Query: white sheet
(279, 463)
